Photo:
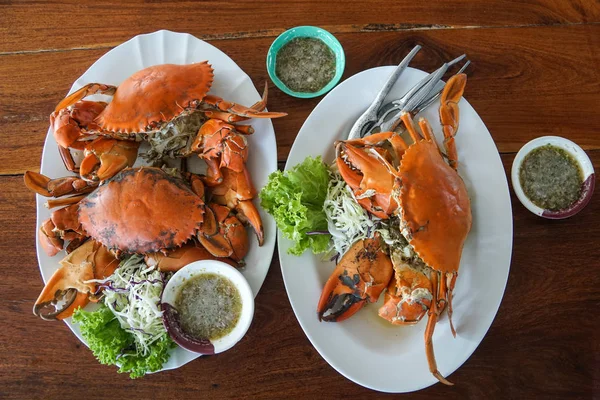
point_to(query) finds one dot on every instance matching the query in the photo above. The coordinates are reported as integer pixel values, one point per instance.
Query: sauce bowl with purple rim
(171, 291)
(587, 169)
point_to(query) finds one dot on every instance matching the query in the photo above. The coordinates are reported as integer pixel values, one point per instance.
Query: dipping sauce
(209, 306)
(305, 64)
(551, 178)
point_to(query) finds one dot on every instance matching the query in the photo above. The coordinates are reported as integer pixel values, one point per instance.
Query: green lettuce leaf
(113, 345)
(295, 199)
(103, 333)
(137, 365)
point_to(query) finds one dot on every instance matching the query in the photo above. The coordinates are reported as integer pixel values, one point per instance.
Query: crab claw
(360, 277)
(68, 124)
(371, 177)
(105, 157)
(248, 213)
(62, 226)
(50, 240)
(236, 192)
(68, 288)
(47, 187)
(216, 138)
(226, 236)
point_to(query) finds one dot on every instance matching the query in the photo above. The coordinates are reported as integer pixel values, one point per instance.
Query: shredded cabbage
(347, 221)
(133, 294)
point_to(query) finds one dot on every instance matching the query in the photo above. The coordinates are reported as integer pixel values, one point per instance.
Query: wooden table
(535, 72)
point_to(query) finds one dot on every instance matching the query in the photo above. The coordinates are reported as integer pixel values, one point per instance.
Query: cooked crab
(142, 210)
(415, 184)
(143, 104)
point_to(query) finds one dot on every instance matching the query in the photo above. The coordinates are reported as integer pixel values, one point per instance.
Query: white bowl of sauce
(553, 177)
(208, 307)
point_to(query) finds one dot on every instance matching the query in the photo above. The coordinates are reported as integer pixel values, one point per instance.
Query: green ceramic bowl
(312, 32)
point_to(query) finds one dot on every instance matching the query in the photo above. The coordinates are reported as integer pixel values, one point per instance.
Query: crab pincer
(359, 278)
(69, 287)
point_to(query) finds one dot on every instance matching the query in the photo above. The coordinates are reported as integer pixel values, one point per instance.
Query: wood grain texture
(535, 72)
(544, 342)
(72, 24)
(524, 83)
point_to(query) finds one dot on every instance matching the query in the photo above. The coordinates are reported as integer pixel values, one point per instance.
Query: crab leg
(50, 240)
(65, 201)
(62, 225)
(70, 123)
(247, 212)
(217, 139)
(229, 111)
(372, 140)
(450, 281)
(85, 91)
(437, 306)
(67, 159)
(428, 132)
(426, 103)
(47, 187)
(410, 127)
(449, 114)
(228, 117)
(399, 146)
(229, 239)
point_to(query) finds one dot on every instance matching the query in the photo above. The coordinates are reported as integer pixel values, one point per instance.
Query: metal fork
(369, 117)
(428, 90)
(425, 92)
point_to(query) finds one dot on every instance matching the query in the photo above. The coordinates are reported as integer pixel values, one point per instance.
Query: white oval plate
(366, 349)
(231, 83)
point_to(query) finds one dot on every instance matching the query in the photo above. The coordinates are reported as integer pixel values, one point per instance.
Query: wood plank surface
(535, 72)
(524, 83)
(543, 343)
(45, 25)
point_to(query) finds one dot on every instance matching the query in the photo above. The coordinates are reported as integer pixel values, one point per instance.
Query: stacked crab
(171, 216)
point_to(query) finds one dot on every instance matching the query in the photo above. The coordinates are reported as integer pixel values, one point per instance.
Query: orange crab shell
(435, 206)
(156, 95)
(142, 210)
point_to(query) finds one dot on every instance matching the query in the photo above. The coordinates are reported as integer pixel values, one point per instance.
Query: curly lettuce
(295, 199)
(103, 333)
(113, 345)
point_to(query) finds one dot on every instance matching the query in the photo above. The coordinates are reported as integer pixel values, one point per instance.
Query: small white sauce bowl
(237, 279)
(578, 154)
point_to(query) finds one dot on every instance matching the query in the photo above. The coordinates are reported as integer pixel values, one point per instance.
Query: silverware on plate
(382, 118)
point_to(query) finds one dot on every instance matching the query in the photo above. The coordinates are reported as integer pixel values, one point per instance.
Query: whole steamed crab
(414, 187)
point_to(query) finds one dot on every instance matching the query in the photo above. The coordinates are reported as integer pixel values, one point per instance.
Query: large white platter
(365, 348)
(230, 83)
